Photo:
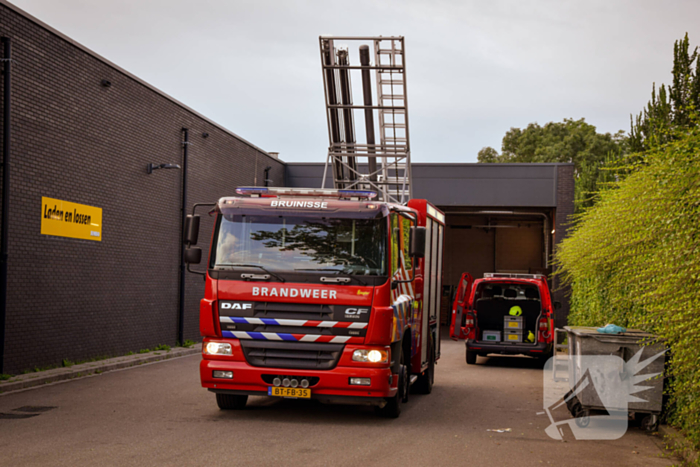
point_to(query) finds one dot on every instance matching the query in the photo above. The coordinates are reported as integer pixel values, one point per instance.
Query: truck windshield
(298, 244)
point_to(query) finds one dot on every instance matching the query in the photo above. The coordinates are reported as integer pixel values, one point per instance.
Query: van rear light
(469, 321)
(544, 325)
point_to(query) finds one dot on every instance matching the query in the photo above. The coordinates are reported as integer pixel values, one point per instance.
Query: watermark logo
(597, 391)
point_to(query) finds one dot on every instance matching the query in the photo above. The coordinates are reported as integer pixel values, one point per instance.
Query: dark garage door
(479, 243)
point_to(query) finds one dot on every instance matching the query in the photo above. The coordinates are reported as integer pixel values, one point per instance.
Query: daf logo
(236, 306)
(355, 313)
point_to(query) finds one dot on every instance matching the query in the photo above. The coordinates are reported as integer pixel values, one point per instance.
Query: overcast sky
(474, 68)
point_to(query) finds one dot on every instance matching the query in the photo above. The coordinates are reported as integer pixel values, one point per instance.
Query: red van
(510, 314)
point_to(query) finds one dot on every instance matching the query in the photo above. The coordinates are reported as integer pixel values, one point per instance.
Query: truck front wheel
(231, 401)
(392, 409)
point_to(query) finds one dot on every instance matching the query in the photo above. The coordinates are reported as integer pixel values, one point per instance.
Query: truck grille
(294, 318)
(288, 311)
(293, 355)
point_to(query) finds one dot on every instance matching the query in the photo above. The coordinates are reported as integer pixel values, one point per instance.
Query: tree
(573, 141)
(488, 155)
(673, 107)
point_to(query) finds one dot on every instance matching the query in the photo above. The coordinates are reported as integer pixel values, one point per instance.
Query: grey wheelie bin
(645, 394)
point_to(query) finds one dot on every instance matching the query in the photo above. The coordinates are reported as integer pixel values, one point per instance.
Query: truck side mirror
(193, 255)
(192, 230)
(557, 305)
(417, 242)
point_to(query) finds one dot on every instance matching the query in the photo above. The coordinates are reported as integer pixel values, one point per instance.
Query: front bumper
(538, 350)
(332, 386)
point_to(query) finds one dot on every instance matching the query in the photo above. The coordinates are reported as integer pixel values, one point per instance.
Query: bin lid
(587, 331)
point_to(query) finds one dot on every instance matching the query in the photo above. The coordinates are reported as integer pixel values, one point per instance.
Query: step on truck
(319, 294)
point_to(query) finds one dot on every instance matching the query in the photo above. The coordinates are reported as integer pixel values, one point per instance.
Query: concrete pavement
(157, 414)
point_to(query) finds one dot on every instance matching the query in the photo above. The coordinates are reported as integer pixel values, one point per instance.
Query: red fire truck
(324, 294)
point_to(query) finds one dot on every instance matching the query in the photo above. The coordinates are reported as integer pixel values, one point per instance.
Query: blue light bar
(251, 190)
(365, 194)
(316, 192)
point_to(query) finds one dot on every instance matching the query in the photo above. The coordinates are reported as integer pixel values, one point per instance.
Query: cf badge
(356, 313)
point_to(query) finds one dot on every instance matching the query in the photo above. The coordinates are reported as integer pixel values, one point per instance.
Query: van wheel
(231, 401)
(545, 357)
(471, 358)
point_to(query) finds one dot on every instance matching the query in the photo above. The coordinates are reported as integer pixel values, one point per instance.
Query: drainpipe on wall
(7, 60)
(183, 214)
(267, 175)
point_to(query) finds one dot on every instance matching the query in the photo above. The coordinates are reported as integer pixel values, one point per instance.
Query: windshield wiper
(319, 269)
(240, 265)
(337, 271)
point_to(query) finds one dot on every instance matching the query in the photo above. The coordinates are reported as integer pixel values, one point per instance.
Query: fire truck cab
(323, 294)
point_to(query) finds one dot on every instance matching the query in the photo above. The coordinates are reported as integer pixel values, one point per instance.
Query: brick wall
(78, 141)
(562, 224)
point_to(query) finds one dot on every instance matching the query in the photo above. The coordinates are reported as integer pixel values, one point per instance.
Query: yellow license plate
(289, 392)
(513, 324)
(512, 337)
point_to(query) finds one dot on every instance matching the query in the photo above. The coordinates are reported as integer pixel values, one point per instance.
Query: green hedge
(634, 260)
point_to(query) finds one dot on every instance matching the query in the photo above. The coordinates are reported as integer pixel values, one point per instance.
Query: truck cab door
(459, 306)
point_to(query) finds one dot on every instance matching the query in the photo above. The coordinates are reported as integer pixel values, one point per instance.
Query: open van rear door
(459, 305)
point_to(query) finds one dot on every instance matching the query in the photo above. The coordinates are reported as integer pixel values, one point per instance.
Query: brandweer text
(303, 293)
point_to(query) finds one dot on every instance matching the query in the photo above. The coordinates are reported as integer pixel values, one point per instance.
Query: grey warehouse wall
(76, 140)
(494, 185)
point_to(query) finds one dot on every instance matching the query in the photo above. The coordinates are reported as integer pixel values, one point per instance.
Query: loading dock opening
(486, 239)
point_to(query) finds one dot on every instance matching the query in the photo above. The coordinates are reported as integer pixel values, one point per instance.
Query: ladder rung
(390, 51)
(378, 154)
(389, 182)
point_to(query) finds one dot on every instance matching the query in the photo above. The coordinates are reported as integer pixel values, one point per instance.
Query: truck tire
(392, 409)
(424, 385)
(231, 401)
(471, 358)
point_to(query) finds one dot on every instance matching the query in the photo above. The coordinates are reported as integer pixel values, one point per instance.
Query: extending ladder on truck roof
(387, 169)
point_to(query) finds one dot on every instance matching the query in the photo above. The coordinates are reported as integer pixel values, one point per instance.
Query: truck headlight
(370, 355)
(217, 348)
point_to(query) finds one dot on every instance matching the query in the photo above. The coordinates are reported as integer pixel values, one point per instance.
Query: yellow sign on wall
(66, 219)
